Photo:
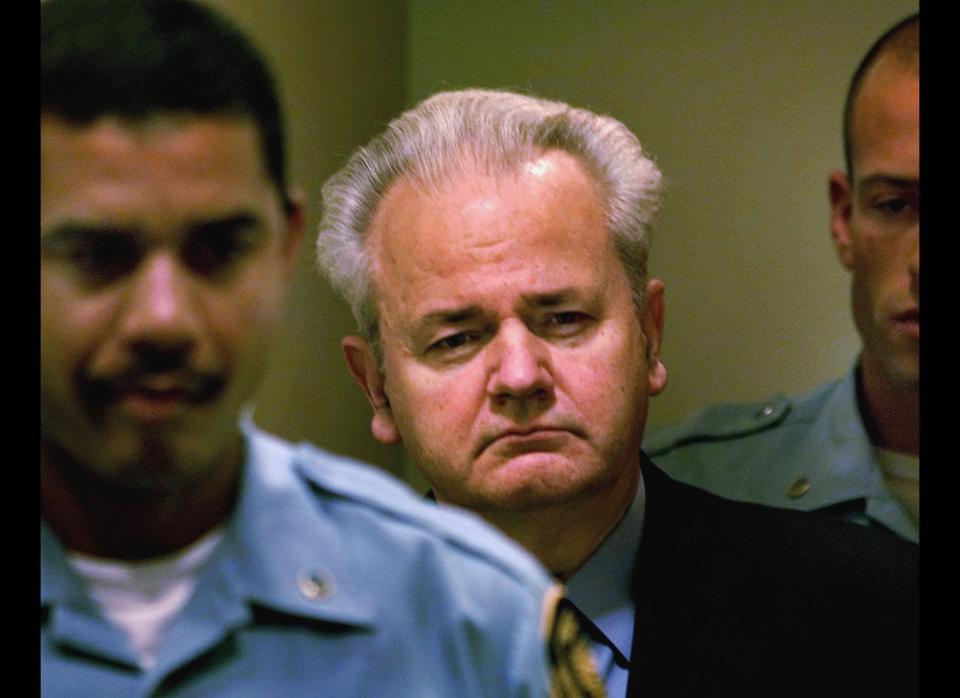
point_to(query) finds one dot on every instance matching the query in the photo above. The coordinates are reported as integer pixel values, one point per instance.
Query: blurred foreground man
(850, 448)
(183, 551)
(493, 248)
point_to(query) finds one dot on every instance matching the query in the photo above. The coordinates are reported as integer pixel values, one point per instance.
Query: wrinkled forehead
(433, 170)
(537, 228)
(472, 197)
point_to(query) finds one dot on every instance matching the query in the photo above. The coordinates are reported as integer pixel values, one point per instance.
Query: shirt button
(798, 488)
(315, 585)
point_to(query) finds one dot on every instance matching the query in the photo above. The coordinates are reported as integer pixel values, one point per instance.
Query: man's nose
(160, 310)
(522, 364)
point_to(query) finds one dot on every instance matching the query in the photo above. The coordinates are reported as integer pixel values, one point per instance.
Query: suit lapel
(686, 591)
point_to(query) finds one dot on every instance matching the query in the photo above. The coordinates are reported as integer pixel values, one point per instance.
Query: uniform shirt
(811, 452)
(603, 590)
(332, 579)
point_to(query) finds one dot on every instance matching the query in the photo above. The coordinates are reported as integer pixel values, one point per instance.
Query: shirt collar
(843, 472)
(280, 551)
(55, 577)
(603, 586)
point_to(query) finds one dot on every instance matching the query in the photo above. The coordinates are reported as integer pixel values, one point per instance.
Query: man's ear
(363, 366)
(652, 323)
(295, 216)
(841, 211)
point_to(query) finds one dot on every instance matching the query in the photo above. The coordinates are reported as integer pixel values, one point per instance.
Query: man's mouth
(526, 440)
(909, 322)
(152, 405)
(155, 399)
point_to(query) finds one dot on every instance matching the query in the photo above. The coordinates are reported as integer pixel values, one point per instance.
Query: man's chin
(151, 465)
(531, 481)
(907, 380)
(903, 371)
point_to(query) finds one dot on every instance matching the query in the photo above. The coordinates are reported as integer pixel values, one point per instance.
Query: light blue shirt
(811, 452)
(603, 590)
(332, 579)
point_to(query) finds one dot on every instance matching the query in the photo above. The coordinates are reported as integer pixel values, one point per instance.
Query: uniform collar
(280, 556)
(56, 581)
(847, 469)
(840, 472)
(280, 552)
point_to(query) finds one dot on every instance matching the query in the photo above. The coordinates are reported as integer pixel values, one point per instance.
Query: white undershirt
(901, 473)
(143, 598)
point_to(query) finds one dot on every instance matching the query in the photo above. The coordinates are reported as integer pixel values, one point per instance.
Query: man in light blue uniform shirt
(183, 551)
(329, 578)
(851, 447)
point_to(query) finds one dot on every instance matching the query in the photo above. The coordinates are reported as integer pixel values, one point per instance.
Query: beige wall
(739, 101)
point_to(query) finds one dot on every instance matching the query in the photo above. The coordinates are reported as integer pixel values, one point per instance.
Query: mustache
(187, 383)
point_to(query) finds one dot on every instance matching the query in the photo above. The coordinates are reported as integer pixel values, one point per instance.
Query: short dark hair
(901, 40)
(137, 58)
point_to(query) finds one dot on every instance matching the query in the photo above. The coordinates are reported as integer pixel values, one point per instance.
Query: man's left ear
(295, 214)
(652, 323)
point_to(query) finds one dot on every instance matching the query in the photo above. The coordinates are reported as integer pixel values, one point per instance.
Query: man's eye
(568, 317)
(106, 258)
(895, 206)
(567, 323)
(214, 253)
(451, 342)
(892, 206)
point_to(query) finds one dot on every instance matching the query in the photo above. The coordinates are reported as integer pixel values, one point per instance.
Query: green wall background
(738, 100)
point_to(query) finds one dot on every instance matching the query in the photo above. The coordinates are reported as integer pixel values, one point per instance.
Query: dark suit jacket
(738, 599)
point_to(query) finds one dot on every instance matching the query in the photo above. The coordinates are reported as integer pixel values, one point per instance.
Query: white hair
(498, 130)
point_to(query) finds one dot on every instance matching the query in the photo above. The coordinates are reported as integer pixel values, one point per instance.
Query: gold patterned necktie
(573, 673)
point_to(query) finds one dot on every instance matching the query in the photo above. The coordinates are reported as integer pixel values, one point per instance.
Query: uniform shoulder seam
(352, 480)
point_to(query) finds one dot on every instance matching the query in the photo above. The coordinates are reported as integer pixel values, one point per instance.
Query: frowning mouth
(525, 440)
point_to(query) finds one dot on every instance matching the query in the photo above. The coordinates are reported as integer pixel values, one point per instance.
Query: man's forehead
(528, 238)
(887, 108)
(174, 133)
(475, 187)
(116, 168)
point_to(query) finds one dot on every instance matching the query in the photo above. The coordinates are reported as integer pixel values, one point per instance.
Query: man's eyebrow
(240, 221)
(455, 315)
(451, 316)
(880, 179)
(550, 299)
(73, 231)
(70, 233)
